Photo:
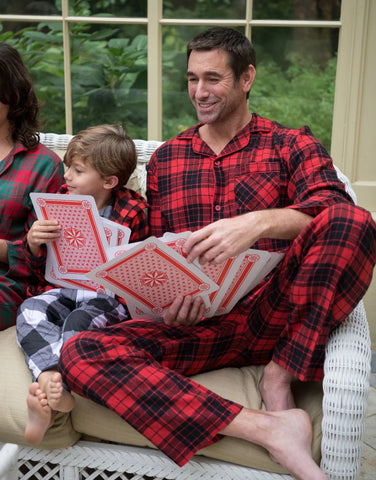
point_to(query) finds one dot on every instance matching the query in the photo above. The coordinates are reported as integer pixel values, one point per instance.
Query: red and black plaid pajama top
(22, 171)
(139, 369)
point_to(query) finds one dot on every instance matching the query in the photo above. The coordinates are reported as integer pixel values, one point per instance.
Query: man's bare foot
(290, 444)
(58, 398)
(40, 416)
(287, 435)
(275, 388)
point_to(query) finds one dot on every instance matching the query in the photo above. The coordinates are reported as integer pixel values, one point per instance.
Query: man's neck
(217, 136)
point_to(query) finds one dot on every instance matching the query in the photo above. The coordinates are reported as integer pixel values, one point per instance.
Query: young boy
(100, 161)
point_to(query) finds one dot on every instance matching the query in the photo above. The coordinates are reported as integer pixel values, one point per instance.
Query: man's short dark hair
(239, 48)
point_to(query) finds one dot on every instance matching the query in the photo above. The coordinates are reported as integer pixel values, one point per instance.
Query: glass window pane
(25, 7)
(178, 112)
(116, 8)
(41, 47)
(296, 9)
(295, 78)
(109, 76)
(201, 9)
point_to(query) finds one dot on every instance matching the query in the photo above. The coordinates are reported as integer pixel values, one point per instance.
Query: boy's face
(82, 179)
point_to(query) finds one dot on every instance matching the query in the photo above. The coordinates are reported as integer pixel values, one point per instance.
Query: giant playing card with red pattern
(235, 277)
(51, 277)
(253, 267)
(150, 276)
(82, 244)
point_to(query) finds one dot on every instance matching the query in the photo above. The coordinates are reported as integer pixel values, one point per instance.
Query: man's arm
(229, 237)
(3, 251)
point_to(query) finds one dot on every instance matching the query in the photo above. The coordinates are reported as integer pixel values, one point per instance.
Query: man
(237, 181)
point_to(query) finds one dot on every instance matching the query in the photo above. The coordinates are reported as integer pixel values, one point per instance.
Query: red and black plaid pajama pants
(139, 368)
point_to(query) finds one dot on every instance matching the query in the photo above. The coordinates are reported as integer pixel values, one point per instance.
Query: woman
(25, 166)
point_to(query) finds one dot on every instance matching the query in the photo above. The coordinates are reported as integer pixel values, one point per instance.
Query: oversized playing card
(82, 244)
(255, 265)
(222, 274)
(73, 283)
(124, 234)
(152, 275)
(116, 234)
(176, 241)
(111, 231)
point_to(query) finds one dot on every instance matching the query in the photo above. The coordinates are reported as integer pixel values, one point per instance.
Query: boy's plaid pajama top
(139, 368)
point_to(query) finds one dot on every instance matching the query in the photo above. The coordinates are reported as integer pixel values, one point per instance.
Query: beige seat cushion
(15, 379)
(239, 385)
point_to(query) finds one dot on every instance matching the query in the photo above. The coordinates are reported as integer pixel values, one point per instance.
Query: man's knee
(346, 222)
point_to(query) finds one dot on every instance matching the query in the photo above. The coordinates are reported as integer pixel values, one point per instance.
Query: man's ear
(110, 182)
(247, 78)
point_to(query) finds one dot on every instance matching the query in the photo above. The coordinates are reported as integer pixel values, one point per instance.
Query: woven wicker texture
(346, 386)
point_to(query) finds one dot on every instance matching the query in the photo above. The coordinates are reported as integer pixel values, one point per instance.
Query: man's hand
(228, 237)
(42, 231)
(221, 240)
(185, 311)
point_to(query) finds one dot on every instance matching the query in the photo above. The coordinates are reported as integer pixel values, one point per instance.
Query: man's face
(212, 88)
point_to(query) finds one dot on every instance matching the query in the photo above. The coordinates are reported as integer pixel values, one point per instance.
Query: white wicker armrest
(346, 386)
(8, 461)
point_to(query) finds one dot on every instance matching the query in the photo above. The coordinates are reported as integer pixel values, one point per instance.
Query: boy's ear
(111, 182)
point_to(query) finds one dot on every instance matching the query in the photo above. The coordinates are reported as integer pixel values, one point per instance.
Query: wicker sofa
(93, 443)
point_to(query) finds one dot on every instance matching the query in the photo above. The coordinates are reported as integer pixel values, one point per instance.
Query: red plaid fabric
(139, 369)
(22, 171)
(265, 166)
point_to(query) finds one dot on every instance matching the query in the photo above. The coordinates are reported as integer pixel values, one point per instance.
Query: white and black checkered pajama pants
(45, 322)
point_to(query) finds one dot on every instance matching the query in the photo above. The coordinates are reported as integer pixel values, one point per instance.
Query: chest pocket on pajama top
(258, 186)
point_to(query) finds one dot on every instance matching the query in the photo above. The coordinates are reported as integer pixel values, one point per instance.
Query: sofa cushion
(91, 421)
(240, 385)
(15, 379)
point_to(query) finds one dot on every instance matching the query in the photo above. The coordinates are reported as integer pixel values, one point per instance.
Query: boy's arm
(34, 246)
(139, 227)
(130, 210)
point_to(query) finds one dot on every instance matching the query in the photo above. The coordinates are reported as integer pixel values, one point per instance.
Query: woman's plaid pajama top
(139, 368)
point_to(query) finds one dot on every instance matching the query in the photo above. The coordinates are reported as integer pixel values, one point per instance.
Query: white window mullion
(67, 70)
(154, 70)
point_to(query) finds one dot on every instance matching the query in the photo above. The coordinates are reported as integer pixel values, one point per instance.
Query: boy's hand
(42, 231)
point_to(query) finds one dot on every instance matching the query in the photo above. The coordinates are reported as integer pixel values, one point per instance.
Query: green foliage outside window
(293, 86)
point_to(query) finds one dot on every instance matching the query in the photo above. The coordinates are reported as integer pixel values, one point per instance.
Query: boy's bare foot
(275, 388)
(40, 416)
(58, 398)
